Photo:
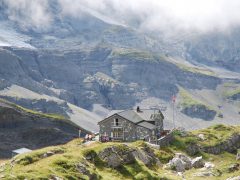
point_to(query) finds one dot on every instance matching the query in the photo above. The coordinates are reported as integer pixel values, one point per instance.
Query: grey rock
(209, 165)
(198, 162)
(181, 175)
(230, 145)
(193, 149)
(186, 159)
(143, 156)
(201, 137)
(82, 169)
(177, 164)
(48, 154)
(115, 156)
(180, 163)
(234, 178)
(53, 177)
(204, 174)
(233, 167)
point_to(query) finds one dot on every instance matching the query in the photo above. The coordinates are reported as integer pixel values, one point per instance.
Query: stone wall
(143, 133)
(131, 132)
(129, 128)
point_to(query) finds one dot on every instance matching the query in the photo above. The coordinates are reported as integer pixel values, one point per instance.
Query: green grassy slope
(22, 109)
(66, 158)
(188, 101)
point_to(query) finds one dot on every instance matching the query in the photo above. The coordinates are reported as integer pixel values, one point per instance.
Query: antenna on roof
(161, 107)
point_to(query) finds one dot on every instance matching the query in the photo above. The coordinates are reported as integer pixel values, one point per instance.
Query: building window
(116, 122)
(117, 133)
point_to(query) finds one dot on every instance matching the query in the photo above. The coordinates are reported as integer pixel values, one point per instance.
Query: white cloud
(29, 13)
(201, 15)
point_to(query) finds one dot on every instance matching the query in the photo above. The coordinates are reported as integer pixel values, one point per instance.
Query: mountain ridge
(89, 62)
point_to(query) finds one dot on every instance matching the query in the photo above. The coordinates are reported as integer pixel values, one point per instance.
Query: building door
(117, 133)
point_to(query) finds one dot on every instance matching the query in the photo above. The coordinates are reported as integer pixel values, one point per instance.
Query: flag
(173, 99)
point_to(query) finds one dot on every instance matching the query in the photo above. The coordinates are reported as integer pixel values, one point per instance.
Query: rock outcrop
(116, 156)
(199, 111)
(234, 178)
(230, 145)
(122, 79)
(181, 162)
(31, 130)
(197, 162)
(233, 167)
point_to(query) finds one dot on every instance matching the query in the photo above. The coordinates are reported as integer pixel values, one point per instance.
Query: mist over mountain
(83, 58)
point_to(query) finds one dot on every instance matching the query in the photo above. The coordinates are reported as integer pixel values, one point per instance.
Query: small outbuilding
(20, 151)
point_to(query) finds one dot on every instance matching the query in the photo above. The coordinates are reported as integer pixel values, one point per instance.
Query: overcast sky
(201, 15)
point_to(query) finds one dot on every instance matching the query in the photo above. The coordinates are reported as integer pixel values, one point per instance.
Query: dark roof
(140, 118)
(147, 125)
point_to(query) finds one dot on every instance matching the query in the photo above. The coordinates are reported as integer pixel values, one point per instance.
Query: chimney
(138, 109)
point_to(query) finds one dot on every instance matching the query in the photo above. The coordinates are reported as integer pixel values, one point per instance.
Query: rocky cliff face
(117, 78)
(199, 111)
(23, 129)
(216, 48)
(89, 60)
(83, 81)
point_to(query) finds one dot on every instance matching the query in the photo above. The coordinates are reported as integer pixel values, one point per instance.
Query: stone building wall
(158, 118)
(129, 128)
(143, 133)
(131, 132)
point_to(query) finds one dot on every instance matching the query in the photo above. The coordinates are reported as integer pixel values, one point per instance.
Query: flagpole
(173, 101)
(79, 133)
(173, 115)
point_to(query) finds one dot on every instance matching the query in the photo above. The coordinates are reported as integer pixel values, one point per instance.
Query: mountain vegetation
(78, 160)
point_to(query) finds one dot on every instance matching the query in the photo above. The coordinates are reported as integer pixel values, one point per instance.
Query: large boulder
(233, 167)
(197, 162)
(115, 156)
(145, 157)
(177, 164)
(201, 137)
(192, 149)
(185, 159)
(118, 155)
(180, 163)
(83, 170)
